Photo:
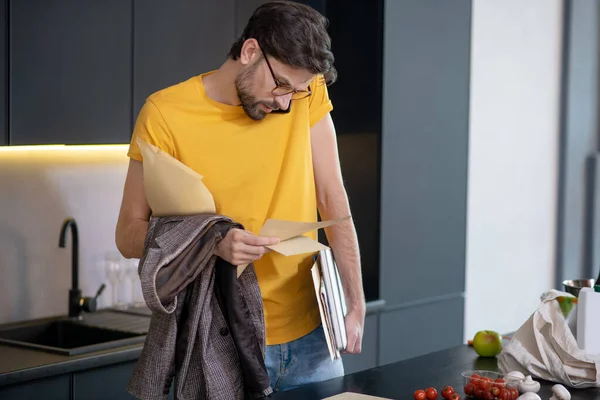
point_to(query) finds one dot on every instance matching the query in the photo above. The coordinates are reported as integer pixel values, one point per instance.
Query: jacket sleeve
(171, 267)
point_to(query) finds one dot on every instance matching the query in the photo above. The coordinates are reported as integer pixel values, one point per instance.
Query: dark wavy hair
(293, 33)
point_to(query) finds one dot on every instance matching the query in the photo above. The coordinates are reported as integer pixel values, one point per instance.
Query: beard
(250, 104)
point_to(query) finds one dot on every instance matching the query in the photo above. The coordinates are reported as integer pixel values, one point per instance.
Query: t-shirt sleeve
(151, 127)
(319, 103)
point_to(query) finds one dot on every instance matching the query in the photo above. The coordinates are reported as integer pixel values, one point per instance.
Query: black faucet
(77, 304)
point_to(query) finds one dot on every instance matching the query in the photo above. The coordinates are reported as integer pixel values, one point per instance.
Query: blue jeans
(304, 360)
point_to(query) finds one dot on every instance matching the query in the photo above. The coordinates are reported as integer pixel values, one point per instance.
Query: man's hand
(355, 321)
(241, 247)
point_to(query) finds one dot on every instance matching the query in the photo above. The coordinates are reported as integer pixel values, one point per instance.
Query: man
(259, 130)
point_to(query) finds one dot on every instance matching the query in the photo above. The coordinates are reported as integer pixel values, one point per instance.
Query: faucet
(77, 303)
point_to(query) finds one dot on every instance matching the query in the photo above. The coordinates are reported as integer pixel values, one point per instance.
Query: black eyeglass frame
(279, 85)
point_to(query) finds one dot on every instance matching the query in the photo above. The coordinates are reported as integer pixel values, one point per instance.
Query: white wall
(38, 189)
(514, 125)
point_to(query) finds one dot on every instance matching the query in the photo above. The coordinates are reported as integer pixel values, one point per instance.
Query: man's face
(255, 84)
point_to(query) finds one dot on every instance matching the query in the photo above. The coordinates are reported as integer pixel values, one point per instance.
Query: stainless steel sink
(68, 337)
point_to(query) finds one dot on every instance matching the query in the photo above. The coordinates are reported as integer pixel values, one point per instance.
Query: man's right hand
(240, 247)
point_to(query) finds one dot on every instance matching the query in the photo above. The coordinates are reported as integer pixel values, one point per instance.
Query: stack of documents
(332, 302)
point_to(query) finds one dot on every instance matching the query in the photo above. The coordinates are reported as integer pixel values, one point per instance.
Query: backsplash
(39, 188)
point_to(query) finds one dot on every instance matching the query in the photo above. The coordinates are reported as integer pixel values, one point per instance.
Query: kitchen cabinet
(424, 175)
(103, 383)
(54, 388)
(174, 41)
(70, 71)
(106, 382)
(79, 72)
(109, 382)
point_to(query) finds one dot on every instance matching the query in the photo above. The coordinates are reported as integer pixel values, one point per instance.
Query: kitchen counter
(20, 365)
(104, 374)
(400, 380)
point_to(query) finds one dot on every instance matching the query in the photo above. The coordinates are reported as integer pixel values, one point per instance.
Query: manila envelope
(172, 188)
(290, 235)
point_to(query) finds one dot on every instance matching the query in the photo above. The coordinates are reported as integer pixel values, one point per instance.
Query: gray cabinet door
(3, 72)
(108, 382)
(174, 41)
(424, 152)
(70, 71)
(424, 175)
(54, 388)
(103, 383)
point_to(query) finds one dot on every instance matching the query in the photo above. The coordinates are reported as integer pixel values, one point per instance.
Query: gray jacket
(191, 337)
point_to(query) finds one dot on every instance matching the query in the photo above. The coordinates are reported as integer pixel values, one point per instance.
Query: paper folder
(331, 301)
(171, 187)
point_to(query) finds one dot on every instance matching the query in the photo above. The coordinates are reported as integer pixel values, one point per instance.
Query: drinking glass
(137, 299)
(115, 272)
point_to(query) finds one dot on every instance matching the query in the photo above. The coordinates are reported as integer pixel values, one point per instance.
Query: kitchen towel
(545, 348)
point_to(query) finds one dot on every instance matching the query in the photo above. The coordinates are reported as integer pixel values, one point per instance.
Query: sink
(68, 337)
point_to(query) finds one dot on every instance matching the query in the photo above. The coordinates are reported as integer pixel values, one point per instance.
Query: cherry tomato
(499, 383)
(420, 395)
(514, 393)
(447, 391)
(432, 393)
(454, 396)
(474, 379)
(485, 385)
(470, 389)
(495, 391)
(504, 394)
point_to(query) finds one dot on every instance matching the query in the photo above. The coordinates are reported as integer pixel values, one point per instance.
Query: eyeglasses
(283, 89)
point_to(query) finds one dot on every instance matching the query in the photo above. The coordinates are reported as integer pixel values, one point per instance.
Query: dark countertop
(18, 364)
(400, 380)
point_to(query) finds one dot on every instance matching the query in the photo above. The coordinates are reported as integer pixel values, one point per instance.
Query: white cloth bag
(545, 348)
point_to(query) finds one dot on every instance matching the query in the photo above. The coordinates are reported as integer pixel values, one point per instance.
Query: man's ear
(250, 51)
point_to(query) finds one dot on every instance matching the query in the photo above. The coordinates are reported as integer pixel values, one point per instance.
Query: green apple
(566, 304)
(487, 343)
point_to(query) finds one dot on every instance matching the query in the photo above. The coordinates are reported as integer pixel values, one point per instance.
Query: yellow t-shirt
(255, 170)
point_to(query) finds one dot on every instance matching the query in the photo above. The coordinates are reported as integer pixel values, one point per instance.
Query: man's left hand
(355, 321)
